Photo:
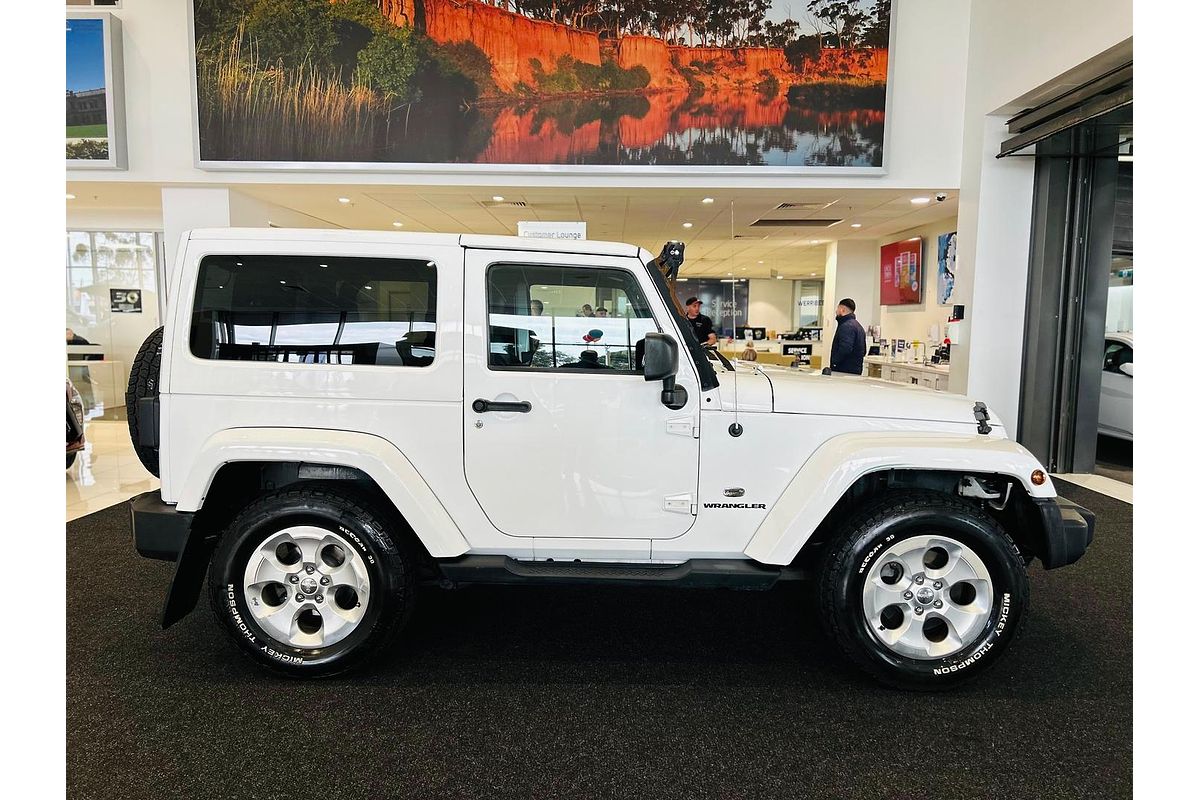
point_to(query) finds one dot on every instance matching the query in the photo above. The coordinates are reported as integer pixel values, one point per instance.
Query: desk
(932, 376)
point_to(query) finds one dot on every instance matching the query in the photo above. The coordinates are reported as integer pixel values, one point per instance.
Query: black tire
(143, 382)
(886, 523)
(71, 459)
(388, 562)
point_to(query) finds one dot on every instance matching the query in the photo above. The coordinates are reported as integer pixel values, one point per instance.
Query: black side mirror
(662, 357)
(661, 363)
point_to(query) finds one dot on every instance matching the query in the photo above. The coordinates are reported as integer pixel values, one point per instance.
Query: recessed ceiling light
(760, 262)
(283, 281)
(730, 274)
(778, 277)
(343, 199)
(70, 196)
(920, 201)
(707, 200)
(812, 274)
(366, 287)
(814, 241)
(397, 224)
(687, 224)
(855, 224)
(497, 198)
(324, 266)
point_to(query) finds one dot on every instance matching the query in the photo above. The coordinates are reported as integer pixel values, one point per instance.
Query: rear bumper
(1067, 529)
(159, 531)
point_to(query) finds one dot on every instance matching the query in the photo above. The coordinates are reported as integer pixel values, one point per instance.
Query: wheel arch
(852, 468)
(235, 465)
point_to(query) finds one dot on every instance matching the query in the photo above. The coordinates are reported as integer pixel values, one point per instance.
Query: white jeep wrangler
(338, 416)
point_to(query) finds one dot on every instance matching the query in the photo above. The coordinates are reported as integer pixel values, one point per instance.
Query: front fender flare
(373, 455)
(839, 462)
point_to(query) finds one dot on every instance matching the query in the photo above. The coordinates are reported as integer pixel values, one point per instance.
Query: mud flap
(189, 576)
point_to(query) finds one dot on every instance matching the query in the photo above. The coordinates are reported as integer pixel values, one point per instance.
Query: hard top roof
(586, 247)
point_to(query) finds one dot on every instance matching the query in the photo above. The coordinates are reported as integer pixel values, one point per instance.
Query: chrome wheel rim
(307, 587)
(927, 597)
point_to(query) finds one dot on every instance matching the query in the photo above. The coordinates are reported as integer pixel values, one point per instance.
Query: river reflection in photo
(736, 129)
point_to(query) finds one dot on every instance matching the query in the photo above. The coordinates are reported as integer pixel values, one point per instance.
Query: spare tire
(143, 382)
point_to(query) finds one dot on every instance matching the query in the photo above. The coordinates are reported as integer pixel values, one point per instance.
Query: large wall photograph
(761, 83)
(87, 90)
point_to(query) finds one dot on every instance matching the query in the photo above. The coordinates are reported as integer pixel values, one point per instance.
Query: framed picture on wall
(900, 272)
(467, 85)
(947, 262)
(95, 107)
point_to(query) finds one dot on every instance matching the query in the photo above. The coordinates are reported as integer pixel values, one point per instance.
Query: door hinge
(683, 426)
(679, 503)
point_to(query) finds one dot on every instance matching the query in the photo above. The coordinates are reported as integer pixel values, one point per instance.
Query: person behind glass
(601, 312)
(586, 311)
(849, 342)
(535, 308)
(75, 338)
(702, 326)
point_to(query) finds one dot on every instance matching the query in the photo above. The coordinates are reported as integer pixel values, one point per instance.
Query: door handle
(481, 406)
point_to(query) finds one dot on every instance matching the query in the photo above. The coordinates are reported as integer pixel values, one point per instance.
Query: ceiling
(721, 236)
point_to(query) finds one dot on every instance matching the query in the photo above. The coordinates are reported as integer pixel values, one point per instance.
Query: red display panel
(900, 272)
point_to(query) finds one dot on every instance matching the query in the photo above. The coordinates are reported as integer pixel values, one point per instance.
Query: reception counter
(933, 376)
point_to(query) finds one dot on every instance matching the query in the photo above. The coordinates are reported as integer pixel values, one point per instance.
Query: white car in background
(1116, 386)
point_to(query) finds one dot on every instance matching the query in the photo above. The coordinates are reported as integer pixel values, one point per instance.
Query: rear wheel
(923, 590)
(143, 383)
(310, 582)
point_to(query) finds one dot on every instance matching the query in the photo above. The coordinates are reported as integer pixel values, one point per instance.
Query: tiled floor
(107, 472)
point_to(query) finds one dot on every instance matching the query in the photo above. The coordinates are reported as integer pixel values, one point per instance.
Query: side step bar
(697, 573)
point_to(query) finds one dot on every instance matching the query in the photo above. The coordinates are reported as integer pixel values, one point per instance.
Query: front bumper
(159, 531)
(1067, 530)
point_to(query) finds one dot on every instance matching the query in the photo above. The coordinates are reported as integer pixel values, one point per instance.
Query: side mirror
(661, 363)
(1127, 368)
(662, 357)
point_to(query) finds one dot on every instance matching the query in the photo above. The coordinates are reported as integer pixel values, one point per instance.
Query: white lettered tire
(310, 582)
(923, 590)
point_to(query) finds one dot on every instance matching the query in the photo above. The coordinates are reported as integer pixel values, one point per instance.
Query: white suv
(339, 416)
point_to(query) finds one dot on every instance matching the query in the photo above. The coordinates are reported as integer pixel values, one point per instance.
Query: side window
(574, 318)
(1116, 354)
(315, 310)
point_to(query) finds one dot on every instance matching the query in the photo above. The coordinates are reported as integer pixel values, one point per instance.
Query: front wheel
(923, 590)
(309, 581)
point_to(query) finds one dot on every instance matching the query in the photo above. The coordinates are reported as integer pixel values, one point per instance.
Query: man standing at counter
(702, 326)
(849, 342)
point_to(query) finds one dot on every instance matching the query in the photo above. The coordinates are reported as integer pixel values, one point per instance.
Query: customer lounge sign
(125, 301)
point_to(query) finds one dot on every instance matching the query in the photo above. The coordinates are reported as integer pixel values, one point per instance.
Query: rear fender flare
(374, 456)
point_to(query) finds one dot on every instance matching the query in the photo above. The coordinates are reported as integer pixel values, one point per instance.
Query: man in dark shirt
(702, 326)
(849, 342)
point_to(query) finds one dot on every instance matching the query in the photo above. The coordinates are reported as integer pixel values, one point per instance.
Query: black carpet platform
(583, 692)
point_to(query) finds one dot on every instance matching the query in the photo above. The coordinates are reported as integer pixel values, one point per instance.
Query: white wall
(924, 129)
(771, 305)
(912, 322)
(1014, 47)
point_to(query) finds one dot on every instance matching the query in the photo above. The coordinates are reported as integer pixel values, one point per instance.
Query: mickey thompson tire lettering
(390, 569)
(236, 614)
(855, 548)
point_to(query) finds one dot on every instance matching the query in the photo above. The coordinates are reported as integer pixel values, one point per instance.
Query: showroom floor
(585, 692)
(107, 472)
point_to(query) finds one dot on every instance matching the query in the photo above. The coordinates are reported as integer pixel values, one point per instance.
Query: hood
(797, 392)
